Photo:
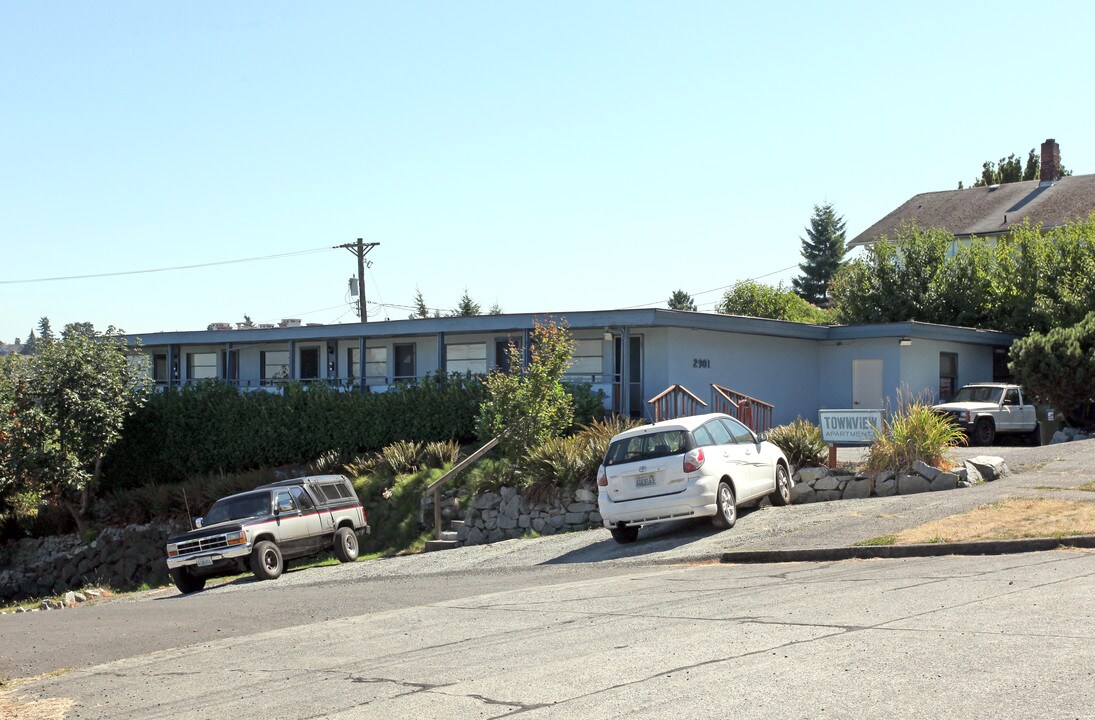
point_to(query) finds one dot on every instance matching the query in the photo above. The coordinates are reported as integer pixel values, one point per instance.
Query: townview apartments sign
(849, 426)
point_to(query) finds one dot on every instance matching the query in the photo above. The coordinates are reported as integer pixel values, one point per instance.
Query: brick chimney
(1051, 161)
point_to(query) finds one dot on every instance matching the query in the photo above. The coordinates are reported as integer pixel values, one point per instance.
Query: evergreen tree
(31, 345)
(680, 300)
(822, 253)
(495, 309)
(421, 312)
(45, 333)
(467, 307)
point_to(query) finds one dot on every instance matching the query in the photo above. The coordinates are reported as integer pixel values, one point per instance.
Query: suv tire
(345, 545)
(266, 560)
(984, 432)
(185, 582)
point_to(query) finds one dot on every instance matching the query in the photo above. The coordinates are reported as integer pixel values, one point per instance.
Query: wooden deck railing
(674, 401)
(756, 414)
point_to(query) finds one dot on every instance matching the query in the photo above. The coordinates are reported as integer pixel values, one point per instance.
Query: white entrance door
(867, 384)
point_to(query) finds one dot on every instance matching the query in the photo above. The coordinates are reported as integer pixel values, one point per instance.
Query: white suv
(696, 466)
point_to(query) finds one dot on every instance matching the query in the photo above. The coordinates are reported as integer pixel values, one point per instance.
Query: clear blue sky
(563, 156)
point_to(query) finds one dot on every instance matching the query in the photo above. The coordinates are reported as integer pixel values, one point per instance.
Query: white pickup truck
(988, 409)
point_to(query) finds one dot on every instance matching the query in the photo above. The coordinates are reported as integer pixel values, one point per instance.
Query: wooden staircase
(678, 401)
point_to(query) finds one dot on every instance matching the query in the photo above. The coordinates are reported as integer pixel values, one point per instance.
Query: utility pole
(360, 249)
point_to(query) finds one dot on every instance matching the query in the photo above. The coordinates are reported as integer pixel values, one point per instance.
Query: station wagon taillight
(602, 477)
(693, 460)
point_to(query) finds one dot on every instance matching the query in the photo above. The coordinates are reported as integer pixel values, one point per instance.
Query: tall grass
(913, 432)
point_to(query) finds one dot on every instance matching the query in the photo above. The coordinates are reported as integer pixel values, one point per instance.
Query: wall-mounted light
(608, 336)
(905, 342)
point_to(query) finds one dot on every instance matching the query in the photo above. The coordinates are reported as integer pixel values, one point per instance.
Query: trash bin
(1049, 422)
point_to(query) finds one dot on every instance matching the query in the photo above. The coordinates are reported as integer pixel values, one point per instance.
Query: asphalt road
(925, 638)
(581, 622)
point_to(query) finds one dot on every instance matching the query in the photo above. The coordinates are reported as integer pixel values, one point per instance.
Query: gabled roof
(987, 211)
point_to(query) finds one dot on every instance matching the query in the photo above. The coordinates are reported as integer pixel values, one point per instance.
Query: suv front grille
(214, 542)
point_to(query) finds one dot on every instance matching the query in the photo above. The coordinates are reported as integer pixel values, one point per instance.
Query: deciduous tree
(532, 406)
(755, 299)
(65, 408)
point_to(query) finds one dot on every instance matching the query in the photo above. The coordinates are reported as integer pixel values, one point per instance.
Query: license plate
(205, 562)
(644, 480)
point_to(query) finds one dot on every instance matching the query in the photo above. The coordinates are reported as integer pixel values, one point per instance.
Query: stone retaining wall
(119, 558)
(822, 484)
(506, 514)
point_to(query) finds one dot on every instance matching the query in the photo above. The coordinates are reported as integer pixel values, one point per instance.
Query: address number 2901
(701, 363)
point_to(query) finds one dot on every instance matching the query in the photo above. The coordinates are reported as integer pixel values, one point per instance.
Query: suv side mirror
(285, 505)
(198, 522)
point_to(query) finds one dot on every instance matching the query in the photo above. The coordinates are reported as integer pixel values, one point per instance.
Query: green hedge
(210, 427)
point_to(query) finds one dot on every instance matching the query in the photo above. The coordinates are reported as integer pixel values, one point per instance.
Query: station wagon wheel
(345, 545)
(782, 494)
(266, 560)
(625, 534)
(726, 507)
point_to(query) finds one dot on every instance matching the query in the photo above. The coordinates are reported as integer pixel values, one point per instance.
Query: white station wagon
(696, 466)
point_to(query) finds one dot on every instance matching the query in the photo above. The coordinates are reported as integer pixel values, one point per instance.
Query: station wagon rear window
(644, 447)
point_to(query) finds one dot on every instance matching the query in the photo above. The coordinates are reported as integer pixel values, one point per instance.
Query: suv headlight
(236, 538)
(172, 550)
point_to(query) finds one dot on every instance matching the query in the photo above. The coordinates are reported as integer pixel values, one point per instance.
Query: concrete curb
(867, 552)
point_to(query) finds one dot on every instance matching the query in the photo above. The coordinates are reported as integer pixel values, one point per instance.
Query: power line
(164, 269)
(724, 287)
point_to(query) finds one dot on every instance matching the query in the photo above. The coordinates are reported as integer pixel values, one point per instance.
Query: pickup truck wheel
(185, 582)
(984, 432)
(345, 545)
(266, 560)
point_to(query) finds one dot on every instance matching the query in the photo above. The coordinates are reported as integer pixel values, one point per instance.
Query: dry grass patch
(1008, 520)
(1090, 487)
(13, 706)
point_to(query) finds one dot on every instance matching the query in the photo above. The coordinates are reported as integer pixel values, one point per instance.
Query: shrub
(441, 453)
(568, 462)
(1058, 367)
(403, 456)
(801, 442)
(394, 510)
(914, 432)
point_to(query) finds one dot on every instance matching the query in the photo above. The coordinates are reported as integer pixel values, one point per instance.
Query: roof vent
(289, 322)
(994, 187)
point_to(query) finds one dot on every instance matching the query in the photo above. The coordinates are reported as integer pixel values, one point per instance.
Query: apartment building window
(201, 366)
(466, 357)
(274, 365)
(376, 363)
(587, 360)
(404, 362)
(948, 375)
(501, 353)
